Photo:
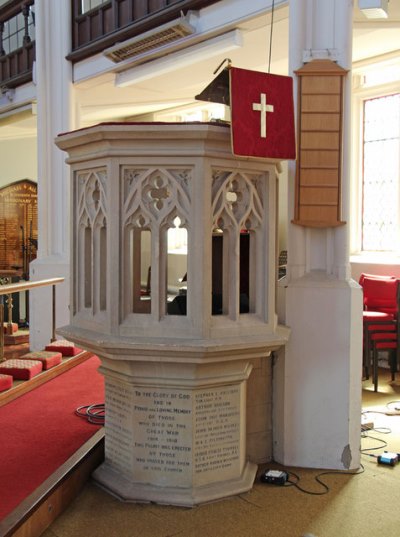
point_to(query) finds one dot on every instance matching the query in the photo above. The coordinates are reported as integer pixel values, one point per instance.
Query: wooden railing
(7, 290)
(117, 20)
(16, 64)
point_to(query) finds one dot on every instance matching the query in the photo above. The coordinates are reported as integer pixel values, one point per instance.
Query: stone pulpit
(173, 267)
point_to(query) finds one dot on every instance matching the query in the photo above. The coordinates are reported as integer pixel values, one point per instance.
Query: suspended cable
(270, 36)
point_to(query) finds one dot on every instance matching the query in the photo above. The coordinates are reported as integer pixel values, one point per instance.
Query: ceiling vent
(374, 9)
(147, 42)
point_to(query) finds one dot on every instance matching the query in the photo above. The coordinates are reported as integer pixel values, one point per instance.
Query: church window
(88, 5)
(16, 33)
(380, 174)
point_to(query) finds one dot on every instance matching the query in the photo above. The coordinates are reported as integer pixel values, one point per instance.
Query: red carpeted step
(49, 359)
(6, 382)
(21, 369)
(40, 430)
(67, 348)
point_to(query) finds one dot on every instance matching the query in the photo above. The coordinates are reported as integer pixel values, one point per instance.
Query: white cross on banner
(262, 114)
(263, 107)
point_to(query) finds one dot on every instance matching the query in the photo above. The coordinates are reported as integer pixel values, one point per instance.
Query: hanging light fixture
(374, 9)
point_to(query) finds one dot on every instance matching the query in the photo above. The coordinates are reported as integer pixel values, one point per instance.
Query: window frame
(362, 93)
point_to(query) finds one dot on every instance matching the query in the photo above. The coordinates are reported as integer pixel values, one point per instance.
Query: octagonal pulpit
(173, 287)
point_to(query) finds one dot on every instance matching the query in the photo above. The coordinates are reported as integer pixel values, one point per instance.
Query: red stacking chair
(380, 320)
(374, 277)
(384, 341)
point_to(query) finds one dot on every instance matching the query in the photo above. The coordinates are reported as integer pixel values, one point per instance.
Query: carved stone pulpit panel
(173, 286)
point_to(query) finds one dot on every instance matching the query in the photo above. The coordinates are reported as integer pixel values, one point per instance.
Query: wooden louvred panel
(318, 173)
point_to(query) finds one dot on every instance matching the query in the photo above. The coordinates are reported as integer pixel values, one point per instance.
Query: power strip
(388, 458)
(274, 477)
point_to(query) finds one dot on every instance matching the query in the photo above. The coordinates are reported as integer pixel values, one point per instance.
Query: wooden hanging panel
(318, 173)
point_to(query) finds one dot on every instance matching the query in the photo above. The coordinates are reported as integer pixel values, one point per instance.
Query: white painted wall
(18, 160)
(368, 267)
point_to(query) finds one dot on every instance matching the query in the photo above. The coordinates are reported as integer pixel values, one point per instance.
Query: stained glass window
(381, 162)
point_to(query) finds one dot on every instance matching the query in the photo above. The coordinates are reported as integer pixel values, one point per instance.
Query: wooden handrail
(10, 288)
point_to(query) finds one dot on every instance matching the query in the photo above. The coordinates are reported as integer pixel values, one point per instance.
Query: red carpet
(40, 431)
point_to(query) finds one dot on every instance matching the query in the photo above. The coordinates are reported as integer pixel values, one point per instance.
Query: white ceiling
(100, 100)
(166, 90)
(105, 101)
(373, 38)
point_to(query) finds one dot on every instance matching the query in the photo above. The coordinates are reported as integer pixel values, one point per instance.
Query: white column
(318, 381)
(55, 115)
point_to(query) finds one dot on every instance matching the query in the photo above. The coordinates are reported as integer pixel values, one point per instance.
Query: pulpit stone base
(125, 490)
(175, 433)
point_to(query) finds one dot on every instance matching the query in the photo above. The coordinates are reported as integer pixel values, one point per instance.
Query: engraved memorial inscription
(163, 435)
(217, 432)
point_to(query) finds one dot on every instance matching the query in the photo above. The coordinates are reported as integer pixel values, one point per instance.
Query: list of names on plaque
(217, 430)
(119, 433)
(171, 436)
(18, 225)
(163, 432)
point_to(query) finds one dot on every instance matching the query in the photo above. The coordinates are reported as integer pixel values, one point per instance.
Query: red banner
(262, 115)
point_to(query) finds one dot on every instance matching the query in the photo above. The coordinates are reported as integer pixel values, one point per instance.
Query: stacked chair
(380, 322)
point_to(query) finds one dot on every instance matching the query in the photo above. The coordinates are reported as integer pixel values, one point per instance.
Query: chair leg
(366, 359)
(366, 356)
(375, 369)
(393, 363)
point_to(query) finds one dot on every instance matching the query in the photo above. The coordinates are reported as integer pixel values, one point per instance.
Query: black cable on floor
(319, 480)
(382, 444)
(394, 406)
(93, 413)
(326, 489)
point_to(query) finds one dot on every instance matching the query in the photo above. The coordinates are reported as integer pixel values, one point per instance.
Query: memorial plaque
(178, 437)
(18, 226)
(217, 433)
(119, 439)
(163, 436)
